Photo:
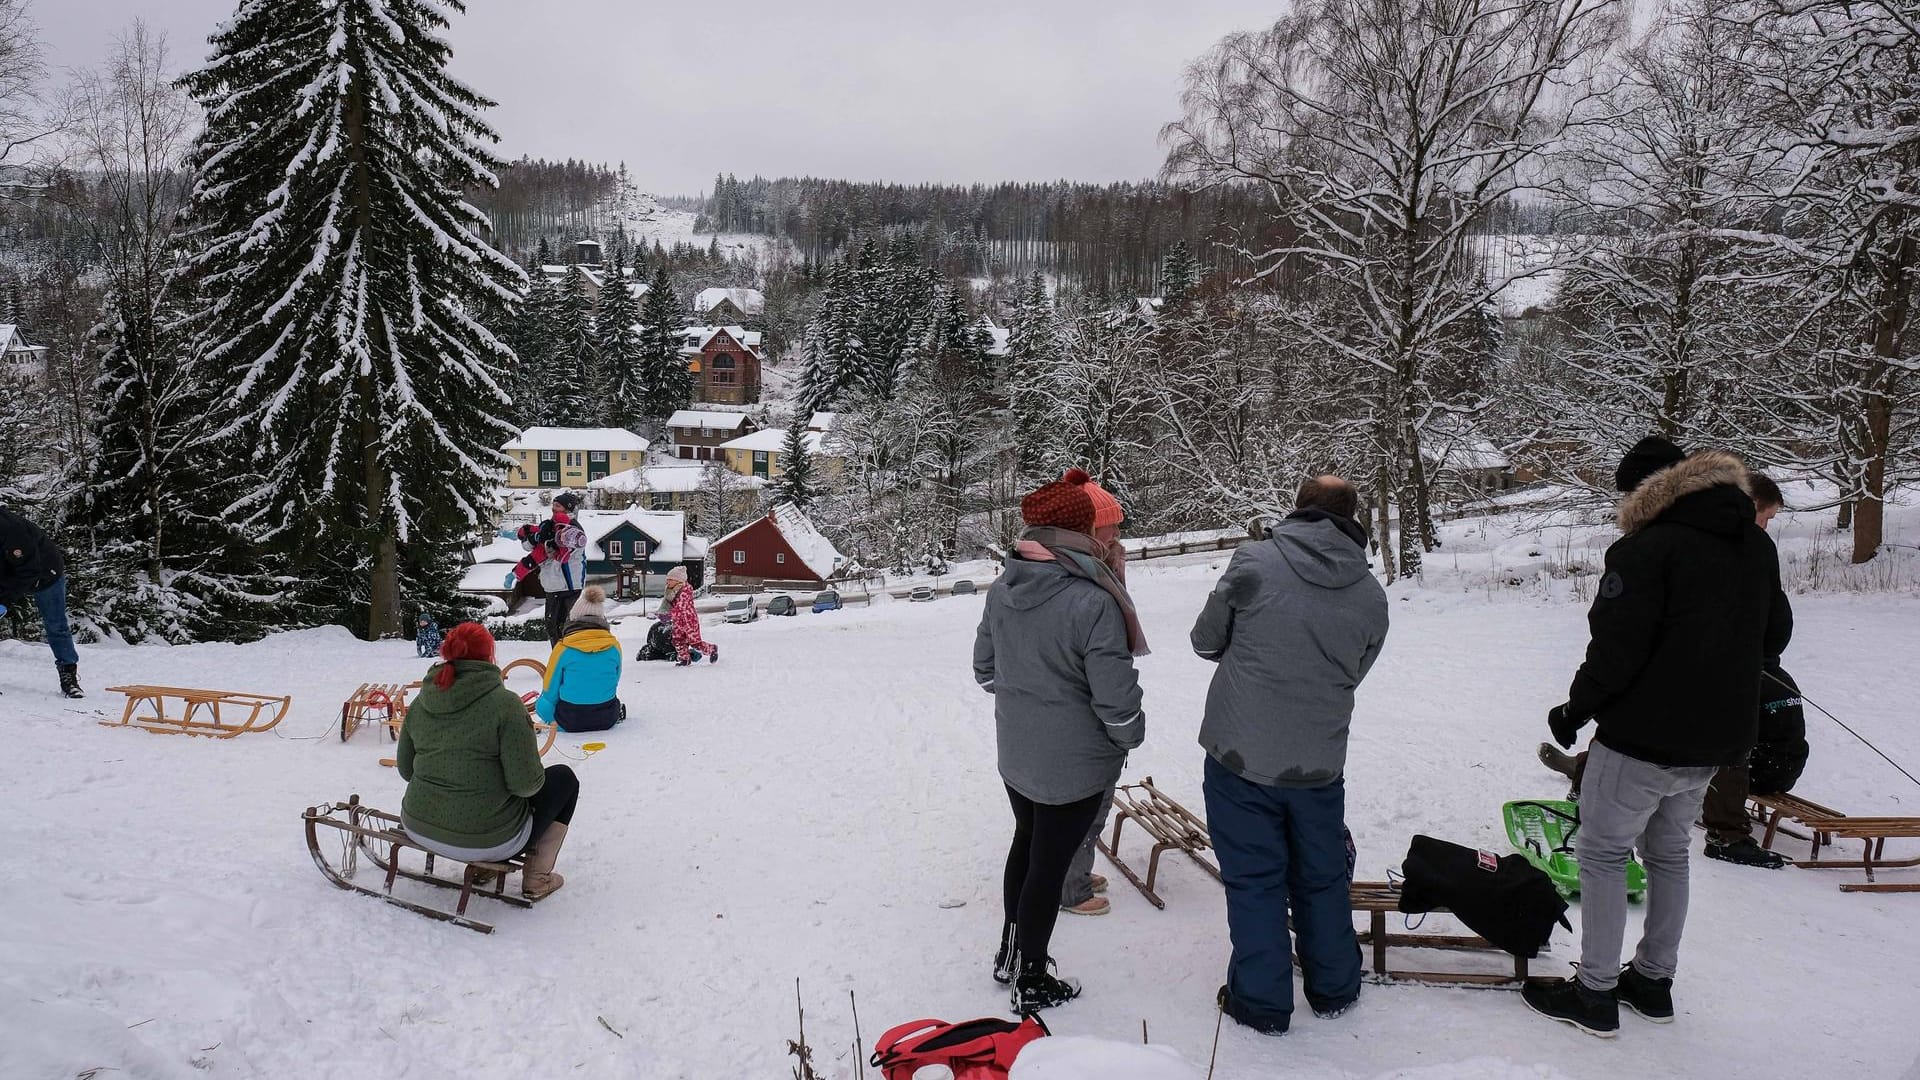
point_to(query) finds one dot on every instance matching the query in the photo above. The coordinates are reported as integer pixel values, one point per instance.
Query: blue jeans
(1283, 849)
(52, 602)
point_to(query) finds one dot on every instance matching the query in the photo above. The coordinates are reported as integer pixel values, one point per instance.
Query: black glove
(1565, 727)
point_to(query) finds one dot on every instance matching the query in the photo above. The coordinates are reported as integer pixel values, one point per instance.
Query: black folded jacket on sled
(1504, 899)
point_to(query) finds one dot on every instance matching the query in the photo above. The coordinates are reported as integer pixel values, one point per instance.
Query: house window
(613, 549)
(661, 500)
(759, 457)
(722, 378)
(780, 557)
(549, 455)
(599, 456)
(723, 361)
(739, 557)
(706, 433)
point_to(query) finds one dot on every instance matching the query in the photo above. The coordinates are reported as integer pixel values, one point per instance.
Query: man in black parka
(1684, 618)
(30, 565)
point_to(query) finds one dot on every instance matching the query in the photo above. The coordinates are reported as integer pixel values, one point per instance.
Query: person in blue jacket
(583, 674)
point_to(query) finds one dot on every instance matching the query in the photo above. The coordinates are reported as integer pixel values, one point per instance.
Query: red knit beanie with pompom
(1061, 505)
(468, 641)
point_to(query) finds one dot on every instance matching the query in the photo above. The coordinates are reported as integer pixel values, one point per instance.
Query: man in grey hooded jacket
(1294, 623)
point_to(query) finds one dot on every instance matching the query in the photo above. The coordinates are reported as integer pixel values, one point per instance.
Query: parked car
(741, 609)
(826, 600)
(921, 594)
(963, 588)
(781, 605)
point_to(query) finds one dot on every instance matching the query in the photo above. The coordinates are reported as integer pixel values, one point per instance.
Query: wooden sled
(546, 732)
(1873, 834)
(380, 836)
(1768, 810)
(219, 709)
(1170, 826)
(375, 703)
(1377, 899)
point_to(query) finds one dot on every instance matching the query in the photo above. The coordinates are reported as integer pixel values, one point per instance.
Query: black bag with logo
(1782, 750)
(1503, 898)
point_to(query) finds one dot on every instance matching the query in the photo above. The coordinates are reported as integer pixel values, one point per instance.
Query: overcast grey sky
(959, 90)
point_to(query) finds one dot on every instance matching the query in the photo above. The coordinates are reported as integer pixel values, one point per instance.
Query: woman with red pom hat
(1055, 648)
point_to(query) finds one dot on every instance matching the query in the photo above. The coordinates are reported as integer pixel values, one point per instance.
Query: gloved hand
(511, 581)
(1565, 727)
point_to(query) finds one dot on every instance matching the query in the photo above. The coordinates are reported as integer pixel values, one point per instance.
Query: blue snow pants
(1283, 848)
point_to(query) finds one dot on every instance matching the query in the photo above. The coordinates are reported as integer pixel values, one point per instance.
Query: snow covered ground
(824, 805)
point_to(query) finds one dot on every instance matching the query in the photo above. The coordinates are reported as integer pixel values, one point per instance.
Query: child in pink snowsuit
(687, 641)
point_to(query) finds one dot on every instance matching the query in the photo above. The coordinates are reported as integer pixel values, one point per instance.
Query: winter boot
(713, 654)
(1099, 883)
(1092, 905)
(1003, 963)
(1650, 997)
(1570, 1002)
(70, 680)
(1744, 852)
(1038, 988)
(538, 881)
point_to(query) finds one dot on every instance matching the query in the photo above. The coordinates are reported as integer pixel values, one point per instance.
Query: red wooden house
(783, 546)
(725, 361)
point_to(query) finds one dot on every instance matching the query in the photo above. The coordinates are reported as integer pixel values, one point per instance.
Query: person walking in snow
(1055, 648)
(31, 565)
(560, 552)
(1684, 620)
(475, 788)
(688, 645)
(1080, 895)
(1295, 624)
(583, 674)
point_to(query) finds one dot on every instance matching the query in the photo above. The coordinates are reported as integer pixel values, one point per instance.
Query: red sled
(973, 1050)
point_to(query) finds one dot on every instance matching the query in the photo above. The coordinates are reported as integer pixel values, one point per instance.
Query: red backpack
(974, 1050)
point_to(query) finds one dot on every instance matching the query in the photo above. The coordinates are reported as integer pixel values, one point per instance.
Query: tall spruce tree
(623, 390)
(668, 382)
(1179, 274)
(573, 372)
(798, 482)
(343, 272)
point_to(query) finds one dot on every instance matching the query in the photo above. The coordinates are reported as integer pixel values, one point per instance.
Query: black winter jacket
(28, 560)
(1689, 608)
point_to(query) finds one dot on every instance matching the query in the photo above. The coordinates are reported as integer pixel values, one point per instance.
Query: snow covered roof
(697, 337)
(675, 477)
(12, 343)
(707, 418)
(823, 421)
(748, 301)
(486, 576)
(773, 439)
(667, 527)
(1001, 336)
(561, 438)
(1454, 445)
(815, 550)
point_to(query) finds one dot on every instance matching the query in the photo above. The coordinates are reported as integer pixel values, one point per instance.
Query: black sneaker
(1570, 1002)
(1036, 990)
(1650, 997)
(1237, 1016)
(1744, 852)
(1003, 962)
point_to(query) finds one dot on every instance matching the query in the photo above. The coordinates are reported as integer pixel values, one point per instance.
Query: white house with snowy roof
(759, 454)
(722, 306)
(696, 434)
(594, 274)
(677, 485)
(630, 551)
(20, 362)
(784, 546)
(571, 457)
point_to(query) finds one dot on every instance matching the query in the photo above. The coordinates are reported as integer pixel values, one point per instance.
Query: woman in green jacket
(475, 788)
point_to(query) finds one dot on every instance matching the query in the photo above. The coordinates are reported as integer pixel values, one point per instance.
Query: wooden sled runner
(1377, 898)
(1170, 826)
(1826, 827)
(216, 713)
(375, 703)
(546, 732)
(380, 837)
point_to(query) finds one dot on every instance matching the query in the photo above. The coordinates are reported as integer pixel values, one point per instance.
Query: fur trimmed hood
(1657, 493)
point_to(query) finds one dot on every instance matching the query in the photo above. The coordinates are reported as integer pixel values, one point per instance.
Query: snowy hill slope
(824, 805)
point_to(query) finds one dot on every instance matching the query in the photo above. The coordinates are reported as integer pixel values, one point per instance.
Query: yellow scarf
(583, 640)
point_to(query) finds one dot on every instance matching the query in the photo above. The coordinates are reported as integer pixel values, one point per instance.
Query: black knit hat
(1647, 457)
(567, 499)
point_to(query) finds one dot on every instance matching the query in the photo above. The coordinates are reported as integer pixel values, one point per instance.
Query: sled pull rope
(1843, 726)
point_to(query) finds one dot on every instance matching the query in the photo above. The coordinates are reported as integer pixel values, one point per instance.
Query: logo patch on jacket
(1612, 586)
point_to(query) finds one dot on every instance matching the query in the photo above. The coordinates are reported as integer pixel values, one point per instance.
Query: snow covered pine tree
(344, 277)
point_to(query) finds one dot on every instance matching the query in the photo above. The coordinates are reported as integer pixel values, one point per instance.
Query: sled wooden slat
(1168, 824)
(213, 713)
(368, 830)
(1873, 834)
(1768, 810)
(1378, 899)
(374, 703)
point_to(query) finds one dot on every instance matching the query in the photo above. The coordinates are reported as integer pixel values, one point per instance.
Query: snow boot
(1744, 852)
(1093, 905)
(1570, 1002)
(70, 680)
(1041, 989)
(1650, 997)
(713, 654)
(538, 881)
(1003, 960)
(1099, 883)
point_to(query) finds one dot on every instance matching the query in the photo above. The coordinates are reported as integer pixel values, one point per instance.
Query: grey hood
(1320, 553)
(1026, 584)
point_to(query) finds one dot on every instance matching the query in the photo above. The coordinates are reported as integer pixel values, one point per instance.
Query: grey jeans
(1078, 888)
(1627, 803)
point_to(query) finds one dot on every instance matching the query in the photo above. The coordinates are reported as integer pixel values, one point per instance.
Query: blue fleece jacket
(580, 677)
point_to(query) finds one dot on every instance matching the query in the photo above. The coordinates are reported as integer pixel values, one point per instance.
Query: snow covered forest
(283, 353)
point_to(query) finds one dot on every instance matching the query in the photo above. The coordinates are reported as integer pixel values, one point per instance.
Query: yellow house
(758, 454)
(548, 457)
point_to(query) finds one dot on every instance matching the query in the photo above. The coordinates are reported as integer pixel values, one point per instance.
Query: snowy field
(824, 805)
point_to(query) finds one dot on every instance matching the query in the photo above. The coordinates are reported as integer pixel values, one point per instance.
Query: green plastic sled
(1543, 830)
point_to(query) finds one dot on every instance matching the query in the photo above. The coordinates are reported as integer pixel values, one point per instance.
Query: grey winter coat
(1052, 650)
(1295, 623)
